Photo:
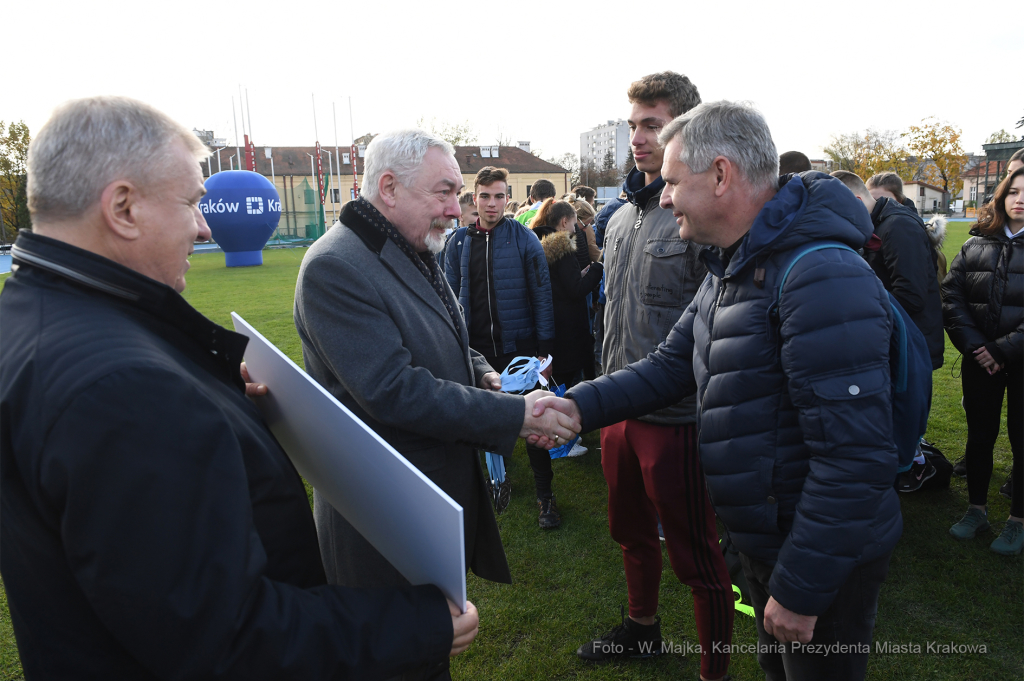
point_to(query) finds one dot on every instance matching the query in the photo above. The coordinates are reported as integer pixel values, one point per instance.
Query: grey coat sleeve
(347, 319)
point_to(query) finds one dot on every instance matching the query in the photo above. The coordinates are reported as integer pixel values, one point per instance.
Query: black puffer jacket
(983, 297)
(574, 346)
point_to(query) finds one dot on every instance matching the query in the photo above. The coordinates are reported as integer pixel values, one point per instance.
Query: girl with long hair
(983, 312)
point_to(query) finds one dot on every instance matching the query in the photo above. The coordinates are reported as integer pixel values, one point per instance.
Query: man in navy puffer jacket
(794, 409)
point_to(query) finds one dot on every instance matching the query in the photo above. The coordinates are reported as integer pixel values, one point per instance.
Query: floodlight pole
(353, 151)
(330, 174)
(209, 160)
(238, 149)
(337, 153)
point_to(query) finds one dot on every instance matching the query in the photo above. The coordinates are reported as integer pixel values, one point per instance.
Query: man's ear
(723, 172)
(386, 186)
(119, 205)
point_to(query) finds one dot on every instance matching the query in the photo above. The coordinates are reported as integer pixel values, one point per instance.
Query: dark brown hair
(992, 216)
(542, 189)
(488, 175)
(584, 192)
(793, 162)
(890, 182)
(668, 86)
(552, 212)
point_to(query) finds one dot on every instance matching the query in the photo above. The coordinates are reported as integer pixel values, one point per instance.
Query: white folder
(400, 511)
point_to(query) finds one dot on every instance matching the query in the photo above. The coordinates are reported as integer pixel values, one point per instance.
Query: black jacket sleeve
(963, 331)
(909, 261)
(569, 280)
(157, 527)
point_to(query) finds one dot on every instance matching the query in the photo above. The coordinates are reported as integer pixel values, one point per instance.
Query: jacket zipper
(628, 255)
(487, 271)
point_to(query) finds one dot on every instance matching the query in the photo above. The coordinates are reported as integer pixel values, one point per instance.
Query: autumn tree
(14, 139)
(456, 134)
(872, 152)
(1000, 137)
(938, 142)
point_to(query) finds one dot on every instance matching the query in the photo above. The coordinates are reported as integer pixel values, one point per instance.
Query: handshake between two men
(548, 421)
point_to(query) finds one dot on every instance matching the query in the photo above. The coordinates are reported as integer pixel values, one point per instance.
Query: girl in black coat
(555, 225)
(983, 313)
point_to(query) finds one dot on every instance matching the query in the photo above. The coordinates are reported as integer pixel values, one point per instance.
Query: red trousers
(652, 469)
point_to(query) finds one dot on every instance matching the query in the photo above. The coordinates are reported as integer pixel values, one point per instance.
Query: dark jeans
(983, 403)
(849, 622)
(540, 459)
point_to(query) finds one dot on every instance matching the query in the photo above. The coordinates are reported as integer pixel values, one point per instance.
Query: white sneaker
(577, 449)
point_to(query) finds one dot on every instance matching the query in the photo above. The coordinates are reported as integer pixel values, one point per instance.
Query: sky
(543, 72)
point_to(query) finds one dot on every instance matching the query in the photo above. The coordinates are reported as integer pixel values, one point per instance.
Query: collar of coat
(103, 277)
(556, 244)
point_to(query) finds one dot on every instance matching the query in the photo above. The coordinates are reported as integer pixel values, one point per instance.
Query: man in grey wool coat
(382, 331)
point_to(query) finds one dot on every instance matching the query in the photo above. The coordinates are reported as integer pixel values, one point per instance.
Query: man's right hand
(465, 626)
(547, 427)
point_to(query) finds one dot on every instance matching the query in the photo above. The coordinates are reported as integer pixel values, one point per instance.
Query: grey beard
(435, 241)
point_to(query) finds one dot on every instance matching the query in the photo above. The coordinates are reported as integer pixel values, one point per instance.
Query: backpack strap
(899, 325)
(773, 309)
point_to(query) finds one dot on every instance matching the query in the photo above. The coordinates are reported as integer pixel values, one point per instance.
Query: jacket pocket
(662, 272)
(854, 407)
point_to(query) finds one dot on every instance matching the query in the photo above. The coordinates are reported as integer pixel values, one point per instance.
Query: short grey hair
(89, 143)
(735, 130)
(401, 152)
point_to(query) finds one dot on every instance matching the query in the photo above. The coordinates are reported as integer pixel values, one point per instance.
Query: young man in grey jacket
(651, 464)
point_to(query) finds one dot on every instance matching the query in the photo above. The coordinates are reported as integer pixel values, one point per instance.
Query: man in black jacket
(152, 527)
(902, 256)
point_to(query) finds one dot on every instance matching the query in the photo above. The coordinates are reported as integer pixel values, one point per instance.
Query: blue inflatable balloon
(242, 209)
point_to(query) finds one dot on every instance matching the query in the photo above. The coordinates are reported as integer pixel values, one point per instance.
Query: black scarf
(425, 262)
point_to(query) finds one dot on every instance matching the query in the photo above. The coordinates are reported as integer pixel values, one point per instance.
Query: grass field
(569, 583)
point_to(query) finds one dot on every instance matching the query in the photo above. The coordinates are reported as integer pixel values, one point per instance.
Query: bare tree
(456, 134)
(571, 162)
(503, 139)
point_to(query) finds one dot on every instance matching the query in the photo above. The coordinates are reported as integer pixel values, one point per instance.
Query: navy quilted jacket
(521, 282)
(795, 414)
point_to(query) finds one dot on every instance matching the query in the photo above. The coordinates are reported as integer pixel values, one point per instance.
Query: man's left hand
(787, 626)
(251, 389)
(491, 381)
